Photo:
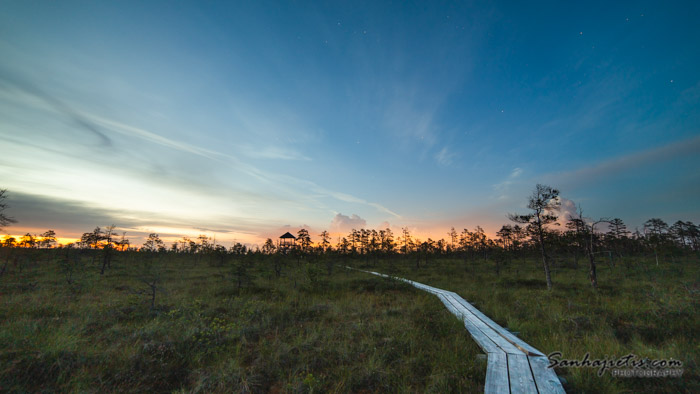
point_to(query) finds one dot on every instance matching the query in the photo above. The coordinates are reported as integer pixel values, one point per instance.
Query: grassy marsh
(311, 331)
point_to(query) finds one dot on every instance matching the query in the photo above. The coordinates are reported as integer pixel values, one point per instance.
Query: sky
(243, 120)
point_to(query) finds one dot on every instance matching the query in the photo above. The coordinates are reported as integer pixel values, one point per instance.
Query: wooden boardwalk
(513, 366)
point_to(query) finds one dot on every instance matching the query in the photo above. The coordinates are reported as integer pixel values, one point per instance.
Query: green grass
(347, 332)
(308, 331)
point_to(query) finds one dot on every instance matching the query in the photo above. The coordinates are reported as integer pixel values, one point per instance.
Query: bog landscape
(283, 196)
(293, 317)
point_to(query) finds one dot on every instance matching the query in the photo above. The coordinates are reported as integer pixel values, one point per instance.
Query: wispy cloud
(502, 187)
(614, 166)
(273, 153)
(299, 186)
(8, 80)
(158, 139)
(107, 129)
(445, 157)
(409, 120)
(349, 198)
(71, 218)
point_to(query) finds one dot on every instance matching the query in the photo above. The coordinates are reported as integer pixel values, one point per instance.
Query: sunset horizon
(241, 121)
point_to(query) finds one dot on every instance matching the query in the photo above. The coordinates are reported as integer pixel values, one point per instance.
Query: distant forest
(582, 240)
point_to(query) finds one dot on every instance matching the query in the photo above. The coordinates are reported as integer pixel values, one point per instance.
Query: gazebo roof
(288, 235)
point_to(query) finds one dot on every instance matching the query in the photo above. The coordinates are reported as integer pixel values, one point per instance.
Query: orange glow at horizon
(59, 240)
(169, 235)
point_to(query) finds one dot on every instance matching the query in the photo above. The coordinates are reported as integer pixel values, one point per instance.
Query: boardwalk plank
(496, 374)
(520, 375)
(487, 330)
(481, 339)
(545, 378)
(500, 330)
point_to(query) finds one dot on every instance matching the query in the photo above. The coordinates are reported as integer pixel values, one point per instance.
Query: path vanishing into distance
(513, 366)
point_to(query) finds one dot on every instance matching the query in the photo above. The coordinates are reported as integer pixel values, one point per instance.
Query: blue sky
(238, 119)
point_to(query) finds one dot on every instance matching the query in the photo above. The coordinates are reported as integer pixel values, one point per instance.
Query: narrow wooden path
(513, 366)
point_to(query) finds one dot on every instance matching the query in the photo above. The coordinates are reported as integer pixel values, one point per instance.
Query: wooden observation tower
(286, 242)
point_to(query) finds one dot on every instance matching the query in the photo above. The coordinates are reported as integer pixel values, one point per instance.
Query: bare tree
(152, 276)
(589, 242)
(543, 202)
(4, 220)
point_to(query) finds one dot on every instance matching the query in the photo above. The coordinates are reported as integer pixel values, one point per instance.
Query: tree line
(535, 233)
